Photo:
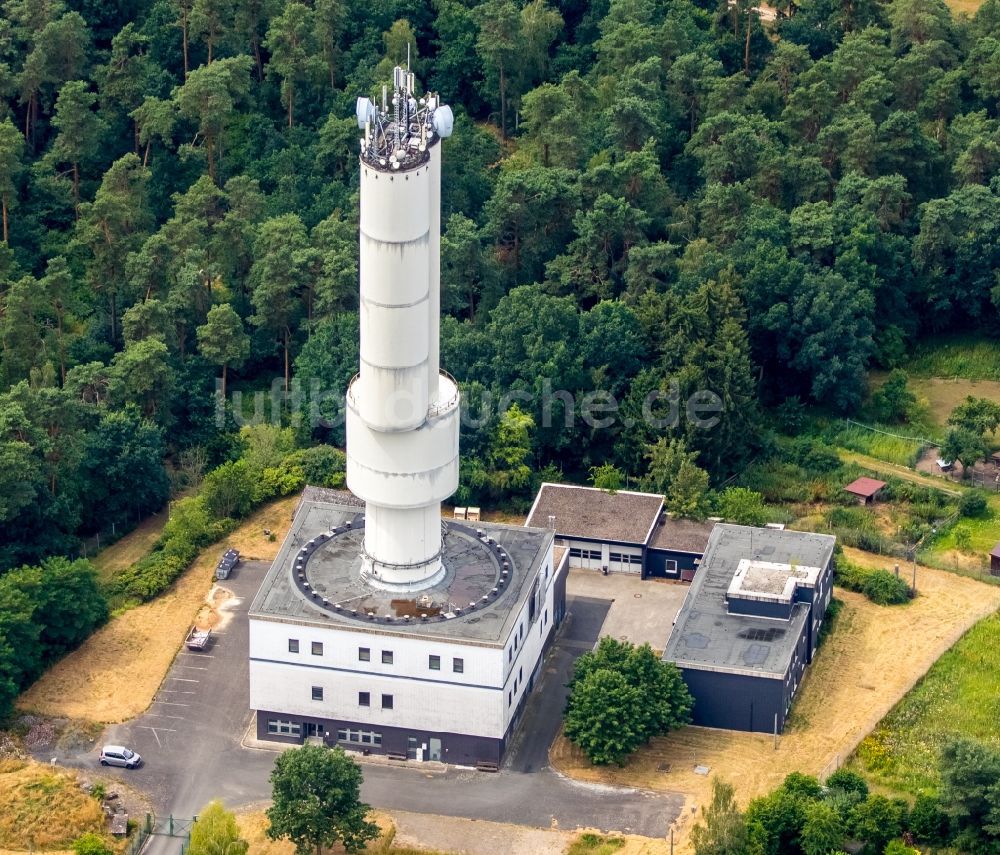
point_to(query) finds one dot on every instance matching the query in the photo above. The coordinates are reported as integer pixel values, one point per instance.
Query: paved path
(191, 738)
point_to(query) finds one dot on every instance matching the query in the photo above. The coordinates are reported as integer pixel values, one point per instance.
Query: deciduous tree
(316, 793)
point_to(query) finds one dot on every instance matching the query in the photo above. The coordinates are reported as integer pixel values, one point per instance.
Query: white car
(119, 755)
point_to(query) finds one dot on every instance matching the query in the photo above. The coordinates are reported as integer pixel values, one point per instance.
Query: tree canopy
(661, 222)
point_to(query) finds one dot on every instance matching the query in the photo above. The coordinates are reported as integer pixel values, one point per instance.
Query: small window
(366, 737)
(342, 735)
(520, 674)
(386, 657)
(458, 665)
(434, 663)
(364, 654)
(364, 699)
(293, 645)
(317, 648)
(317, 693)
(510, 655)
(510, 697)
(387, 702)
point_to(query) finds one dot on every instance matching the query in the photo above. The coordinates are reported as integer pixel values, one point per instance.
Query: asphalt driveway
(190, 739)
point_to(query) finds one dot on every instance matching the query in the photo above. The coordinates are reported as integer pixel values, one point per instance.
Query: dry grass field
(253, 827)
(943, 394)
(874, 656)
(43, 809)
(135, 545)
(426, 834)
(967, 7)
(114, 675)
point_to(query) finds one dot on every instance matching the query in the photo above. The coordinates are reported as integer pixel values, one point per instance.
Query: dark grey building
(750, 624)
(676, 548)
(621, 532)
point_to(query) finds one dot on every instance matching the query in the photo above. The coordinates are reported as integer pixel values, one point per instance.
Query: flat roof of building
(682, 535)
(864, 487)
(331, 569)
(706, 636)
(623, 516)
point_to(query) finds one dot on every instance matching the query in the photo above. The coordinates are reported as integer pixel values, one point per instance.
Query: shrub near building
(620, 697)
(880, 586)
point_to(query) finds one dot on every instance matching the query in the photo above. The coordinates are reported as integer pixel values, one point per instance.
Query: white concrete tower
(402, 411)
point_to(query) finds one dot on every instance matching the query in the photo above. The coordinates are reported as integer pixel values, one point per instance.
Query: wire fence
(927, 442)
(138, 840)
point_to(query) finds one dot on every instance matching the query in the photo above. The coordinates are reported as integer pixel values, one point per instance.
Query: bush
(190, 528)
(742, 506)
(231, 489)
(815, 456)
(928, 822)
(972, 504)
(879, 586)
(885, 588)
(848, 782)
(91, 844)
(830, 619)
(321, 466)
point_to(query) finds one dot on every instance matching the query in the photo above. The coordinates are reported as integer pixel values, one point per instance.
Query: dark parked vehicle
(229, 561)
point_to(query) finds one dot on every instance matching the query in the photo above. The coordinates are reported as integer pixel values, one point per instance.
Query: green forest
(639, 196)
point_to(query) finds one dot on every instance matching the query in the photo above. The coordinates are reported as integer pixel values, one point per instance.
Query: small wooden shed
(866, 490)
(995, 561)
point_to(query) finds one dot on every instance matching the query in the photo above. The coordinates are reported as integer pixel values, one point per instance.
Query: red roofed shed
(866, 489)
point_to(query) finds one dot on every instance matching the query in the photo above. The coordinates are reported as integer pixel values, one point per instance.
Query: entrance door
(311, 729)
(434, 750)
(411, 748)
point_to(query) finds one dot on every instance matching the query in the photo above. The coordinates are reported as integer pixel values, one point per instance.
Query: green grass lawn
(972, 358)
(983, 531)
(595, 844)
(959, 696)
(894, 449)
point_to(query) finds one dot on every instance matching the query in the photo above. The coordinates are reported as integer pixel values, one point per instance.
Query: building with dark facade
(621, 532)
(750, 624)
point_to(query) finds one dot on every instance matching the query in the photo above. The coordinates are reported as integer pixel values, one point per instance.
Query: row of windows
(365, 655)
(364, 698)
(625, 558)
(285, 728)
(364, 737)
(593, 554)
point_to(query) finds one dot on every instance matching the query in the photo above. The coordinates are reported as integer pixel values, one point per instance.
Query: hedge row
(879, 586)
(229, 492)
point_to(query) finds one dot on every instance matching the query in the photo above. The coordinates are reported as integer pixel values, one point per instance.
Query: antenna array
(399, 131)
